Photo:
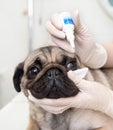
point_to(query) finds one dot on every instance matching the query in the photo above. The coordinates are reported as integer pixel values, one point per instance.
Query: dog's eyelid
(33, 65)
(64, 59)
(38, 61)
(73, 60)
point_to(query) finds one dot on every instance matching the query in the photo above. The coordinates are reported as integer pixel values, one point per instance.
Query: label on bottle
(68, 21)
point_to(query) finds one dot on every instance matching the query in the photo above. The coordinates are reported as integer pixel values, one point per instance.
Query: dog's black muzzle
(53, 83)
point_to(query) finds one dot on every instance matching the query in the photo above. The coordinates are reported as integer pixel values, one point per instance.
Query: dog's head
(44, 73)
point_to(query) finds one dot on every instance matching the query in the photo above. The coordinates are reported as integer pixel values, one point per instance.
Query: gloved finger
(76, 19)
(54, 31)
(61, 102)
(80, 72)
(82, 84)
(54, 109)
(63, 44)
(56, 21)
(73, 76)
(54, 102)
(80, 29)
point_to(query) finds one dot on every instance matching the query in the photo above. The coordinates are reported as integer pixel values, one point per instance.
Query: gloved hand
(92, 95)
(89, 52)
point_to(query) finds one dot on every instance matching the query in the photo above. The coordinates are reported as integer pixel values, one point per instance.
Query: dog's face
(44, 73)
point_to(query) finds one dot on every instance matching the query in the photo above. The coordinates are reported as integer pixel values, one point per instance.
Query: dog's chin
(54, 89)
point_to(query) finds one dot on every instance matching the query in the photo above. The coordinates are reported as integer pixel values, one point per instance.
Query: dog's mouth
(53, 84)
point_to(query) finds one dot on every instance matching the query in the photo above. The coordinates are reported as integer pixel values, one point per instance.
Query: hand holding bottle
(89, 52)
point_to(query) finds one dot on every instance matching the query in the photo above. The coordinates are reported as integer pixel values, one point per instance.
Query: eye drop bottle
(68, 27)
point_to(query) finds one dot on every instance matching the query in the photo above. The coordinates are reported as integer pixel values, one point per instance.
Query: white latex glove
(92, 95)
(89, 52)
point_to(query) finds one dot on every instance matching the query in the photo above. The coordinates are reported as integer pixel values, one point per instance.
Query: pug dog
(44, 75)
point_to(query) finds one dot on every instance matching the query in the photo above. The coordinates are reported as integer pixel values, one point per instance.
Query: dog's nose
(53, 73)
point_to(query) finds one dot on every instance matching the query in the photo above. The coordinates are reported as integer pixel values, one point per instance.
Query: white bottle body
(68, 27)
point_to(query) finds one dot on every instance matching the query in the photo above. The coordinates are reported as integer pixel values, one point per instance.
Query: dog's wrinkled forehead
(46, 55)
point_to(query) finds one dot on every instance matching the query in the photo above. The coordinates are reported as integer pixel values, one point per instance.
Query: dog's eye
(71, 66)
(32, 72)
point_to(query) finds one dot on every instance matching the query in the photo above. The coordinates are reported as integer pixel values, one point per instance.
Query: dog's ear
(18, 76)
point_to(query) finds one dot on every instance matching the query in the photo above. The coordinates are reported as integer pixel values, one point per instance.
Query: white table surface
(15, 115)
